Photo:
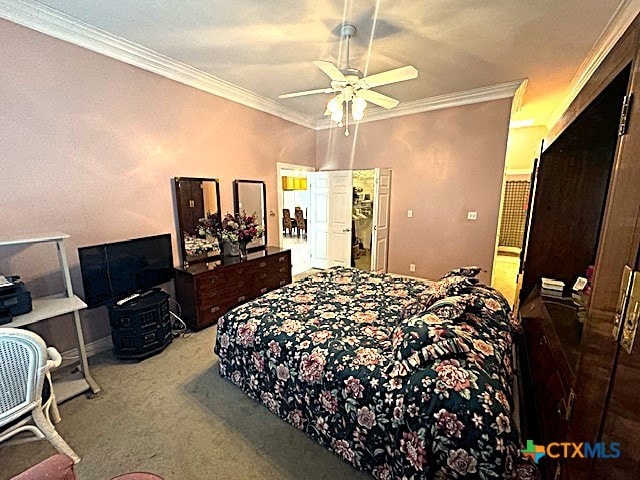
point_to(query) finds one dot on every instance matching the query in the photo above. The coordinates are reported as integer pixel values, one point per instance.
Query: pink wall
(445, 163)
(90, 145)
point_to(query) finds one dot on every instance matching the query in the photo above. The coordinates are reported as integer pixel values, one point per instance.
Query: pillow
(419, 339)
(469, 272)
(454, 307)
(413, 309)
(446, 287)
(496, 309)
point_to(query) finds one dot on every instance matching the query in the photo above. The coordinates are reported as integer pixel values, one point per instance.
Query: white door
(330, 215)
(318, 219)
(381, 210)
(340, 217)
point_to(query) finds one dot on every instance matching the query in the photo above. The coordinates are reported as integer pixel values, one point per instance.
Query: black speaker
(141, 327)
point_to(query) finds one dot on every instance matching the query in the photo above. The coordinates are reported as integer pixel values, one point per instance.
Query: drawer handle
(262, 264)
(263, 289)
(214, 280)
(214, 309)
(263, 275)
(240, 299)
(281, 259)
(543, 340)
(283, 269)
(282, 282)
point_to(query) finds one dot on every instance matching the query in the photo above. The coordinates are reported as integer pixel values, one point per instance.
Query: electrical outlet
(410, 213)
(412, 267)
(472, 215)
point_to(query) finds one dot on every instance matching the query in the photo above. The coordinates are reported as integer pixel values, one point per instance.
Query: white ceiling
(267, 47)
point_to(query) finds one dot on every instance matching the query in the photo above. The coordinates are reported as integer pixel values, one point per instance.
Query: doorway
(512, 223)
(349, 218)
(361, 238)
(293, 212)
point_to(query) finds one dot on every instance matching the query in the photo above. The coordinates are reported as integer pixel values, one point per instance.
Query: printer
(15, 299)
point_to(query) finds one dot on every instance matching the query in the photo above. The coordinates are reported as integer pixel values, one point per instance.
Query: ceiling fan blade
(390, 76)
(330, 70)
(306, 92)
(377, 98)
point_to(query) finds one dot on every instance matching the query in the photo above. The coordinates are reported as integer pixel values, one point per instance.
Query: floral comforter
(399, 391)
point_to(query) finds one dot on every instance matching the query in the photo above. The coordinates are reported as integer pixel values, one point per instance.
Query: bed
(400, 377)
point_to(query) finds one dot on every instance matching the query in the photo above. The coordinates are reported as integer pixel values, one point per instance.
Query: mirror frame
(236, 208)
(183, 251)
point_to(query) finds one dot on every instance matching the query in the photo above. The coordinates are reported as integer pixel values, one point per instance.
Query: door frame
(279, 167)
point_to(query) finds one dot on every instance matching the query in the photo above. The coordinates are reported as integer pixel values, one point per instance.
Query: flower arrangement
(209, 225)
(239, 228)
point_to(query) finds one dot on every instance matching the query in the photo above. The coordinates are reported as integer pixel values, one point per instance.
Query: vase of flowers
(236, 231)
(208, 226)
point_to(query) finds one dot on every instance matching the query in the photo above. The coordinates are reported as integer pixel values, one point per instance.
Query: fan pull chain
(346, 130)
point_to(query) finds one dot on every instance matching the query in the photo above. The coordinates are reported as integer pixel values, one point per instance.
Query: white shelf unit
(67, 386)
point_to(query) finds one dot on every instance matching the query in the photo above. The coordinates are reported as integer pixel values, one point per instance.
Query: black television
(113, 271)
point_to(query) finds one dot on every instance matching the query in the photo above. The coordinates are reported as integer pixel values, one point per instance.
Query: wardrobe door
(621, 421)
(621, 424)
(603, 410)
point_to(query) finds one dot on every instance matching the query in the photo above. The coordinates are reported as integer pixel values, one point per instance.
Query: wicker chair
(25, 362)
(287, 223)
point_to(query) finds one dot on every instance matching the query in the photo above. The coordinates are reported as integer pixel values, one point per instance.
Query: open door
(340, 217)
(330, 205)
(381, 209)
(318, 221)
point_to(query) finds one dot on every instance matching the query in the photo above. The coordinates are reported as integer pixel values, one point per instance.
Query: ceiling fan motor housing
(348, 30)
(352, 74)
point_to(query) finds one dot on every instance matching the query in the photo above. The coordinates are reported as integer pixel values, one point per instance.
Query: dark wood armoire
(580, 384)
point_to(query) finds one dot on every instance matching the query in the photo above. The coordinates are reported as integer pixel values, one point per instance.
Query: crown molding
(457, 99)
(54, 23)
(518, 97)
(624, 15)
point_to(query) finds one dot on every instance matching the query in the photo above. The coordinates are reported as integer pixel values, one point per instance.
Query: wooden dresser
(207, 291)
(548, 361)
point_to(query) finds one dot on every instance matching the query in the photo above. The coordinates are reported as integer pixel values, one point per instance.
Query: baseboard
(92, 348)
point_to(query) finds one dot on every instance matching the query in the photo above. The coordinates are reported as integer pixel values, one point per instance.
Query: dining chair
(287, 223)
(300, 222)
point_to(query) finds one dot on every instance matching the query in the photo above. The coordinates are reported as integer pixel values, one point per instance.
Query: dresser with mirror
(208, 283)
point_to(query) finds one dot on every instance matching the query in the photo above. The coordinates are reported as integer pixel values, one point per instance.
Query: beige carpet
(505, 272)
(173, 415)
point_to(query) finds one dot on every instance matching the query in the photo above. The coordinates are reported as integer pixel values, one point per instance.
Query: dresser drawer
(281, 259)
(278, 281)
(209, 294)
(209, 281)
(209, 316)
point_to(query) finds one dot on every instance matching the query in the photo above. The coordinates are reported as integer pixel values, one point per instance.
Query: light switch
(410, 213)
(412, 267)
(472, 215)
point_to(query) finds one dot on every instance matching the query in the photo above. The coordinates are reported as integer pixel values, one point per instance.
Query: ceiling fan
(353, 88)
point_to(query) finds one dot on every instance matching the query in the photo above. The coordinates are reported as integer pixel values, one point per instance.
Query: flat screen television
(113, 271)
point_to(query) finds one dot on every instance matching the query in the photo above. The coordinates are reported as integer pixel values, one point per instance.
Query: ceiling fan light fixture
(352, 88)
(337, 116)
(334, 105)
(357, 109)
